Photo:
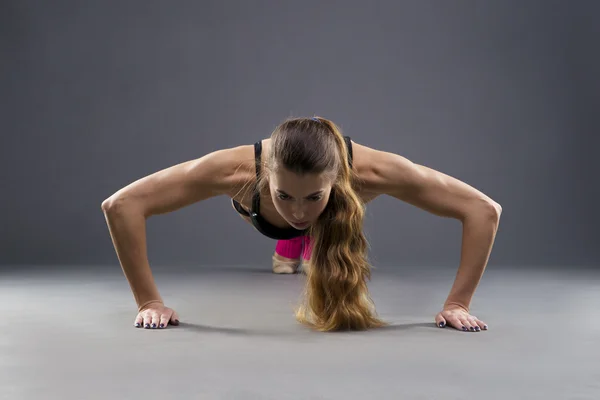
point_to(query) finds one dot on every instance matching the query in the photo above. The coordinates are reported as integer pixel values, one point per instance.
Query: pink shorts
(295, 247)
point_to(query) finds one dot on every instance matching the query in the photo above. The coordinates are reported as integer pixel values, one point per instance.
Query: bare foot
(283, 265)
(305, 266)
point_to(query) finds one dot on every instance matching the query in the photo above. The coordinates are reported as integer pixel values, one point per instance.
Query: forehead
(295, 184)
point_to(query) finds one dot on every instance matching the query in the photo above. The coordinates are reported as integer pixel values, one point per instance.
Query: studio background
(501, 95)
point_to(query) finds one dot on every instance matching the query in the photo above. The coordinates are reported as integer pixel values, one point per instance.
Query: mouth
(300, 224)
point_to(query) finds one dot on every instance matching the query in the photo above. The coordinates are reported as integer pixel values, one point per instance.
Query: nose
(298, 213)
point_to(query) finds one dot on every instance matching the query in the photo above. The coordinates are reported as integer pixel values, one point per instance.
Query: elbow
(492, 209)
(483, 207)
(109, 205)
(119, 206)
(496, 209)
(106, 204)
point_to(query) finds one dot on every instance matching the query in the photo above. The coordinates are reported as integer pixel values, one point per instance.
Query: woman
(307, 181)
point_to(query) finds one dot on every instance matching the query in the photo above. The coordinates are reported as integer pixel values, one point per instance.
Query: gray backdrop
(503, 95)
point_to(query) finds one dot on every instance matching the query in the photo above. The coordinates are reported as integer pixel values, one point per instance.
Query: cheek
(282, 207)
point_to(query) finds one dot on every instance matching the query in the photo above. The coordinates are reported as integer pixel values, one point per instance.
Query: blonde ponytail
(336, 295)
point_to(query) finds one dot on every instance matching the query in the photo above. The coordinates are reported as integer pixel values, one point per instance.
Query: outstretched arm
(445, 196)
(165, 191)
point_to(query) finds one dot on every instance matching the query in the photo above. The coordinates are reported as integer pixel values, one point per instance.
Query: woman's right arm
(164, 191)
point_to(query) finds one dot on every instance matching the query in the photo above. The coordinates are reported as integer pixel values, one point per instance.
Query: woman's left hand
(460, 319)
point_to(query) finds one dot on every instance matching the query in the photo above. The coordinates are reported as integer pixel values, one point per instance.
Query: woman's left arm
(445, 196)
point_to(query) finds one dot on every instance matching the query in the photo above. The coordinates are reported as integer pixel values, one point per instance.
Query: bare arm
(445, 196)
(165, 191)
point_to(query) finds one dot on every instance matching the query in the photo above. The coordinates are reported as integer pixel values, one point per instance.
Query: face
(299, 199)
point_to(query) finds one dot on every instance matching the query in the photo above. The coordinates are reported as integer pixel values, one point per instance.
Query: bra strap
(349, 146)
(257, 162)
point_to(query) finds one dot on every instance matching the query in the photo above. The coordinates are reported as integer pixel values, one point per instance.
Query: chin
(303, 226)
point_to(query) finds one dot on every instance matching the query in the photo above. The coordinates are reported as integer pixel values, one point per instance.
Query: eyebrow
(310, 195)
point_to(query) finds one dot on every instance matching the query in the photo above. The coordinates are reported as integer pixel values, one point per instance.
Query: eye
(316, 198)
(282, 196)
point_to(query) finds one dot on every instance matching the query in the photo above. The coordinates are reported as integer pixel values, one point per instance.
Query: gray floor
(70, 335)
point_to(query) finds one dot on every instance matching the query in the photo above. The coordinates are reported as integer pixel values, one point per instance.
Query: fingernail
(153, 326)
(472, 328)
(477, 328)
(147, 325)
(485, 327)
(441, 324)
(162, 325)
(137, 324)
(464, 328)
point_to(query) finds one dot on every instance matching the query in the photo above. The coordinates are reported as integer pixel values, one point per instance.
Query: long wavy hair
(336, 296)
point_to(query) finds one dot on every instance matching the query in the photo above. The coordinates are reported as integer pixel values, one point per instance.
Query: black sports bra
(261, 224)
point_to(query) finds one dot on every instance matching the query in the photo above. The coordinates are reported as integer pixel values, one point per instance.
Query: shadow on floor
(299, 330)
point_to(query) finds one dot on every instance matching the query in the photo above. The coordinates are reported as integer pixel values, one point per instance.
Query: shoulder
(235, 166)
(380, 171)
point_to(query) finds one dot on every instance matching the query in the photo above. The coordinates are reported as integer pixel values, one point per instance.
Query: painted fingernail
(464, 328)
(147, 325)
(441, 324)
(477, 328)
(137, 325)
(485, 327)
(162, 325)
(472, 328)
(153, 326)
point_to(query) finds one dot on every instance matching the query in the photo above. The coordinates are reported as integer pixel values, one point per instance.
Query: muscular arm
(165, 191)
(445, 196)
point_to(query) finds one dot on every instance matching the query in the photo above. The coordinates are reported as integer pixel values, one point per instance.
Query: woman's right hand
(156, 315)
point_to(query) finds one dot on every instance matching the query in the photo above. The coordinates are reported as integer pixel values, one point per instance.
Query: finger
(147, 320)
(455, 322)
(139, 321)
(474, 326)
(467, 324)
(440, 321)
(481, 324)
(462, 324)
(164, 321)
(175, 318)
(155, 320)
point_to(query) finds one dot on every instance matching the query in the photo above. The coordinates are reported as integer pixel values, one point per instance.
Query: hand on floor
(156, 315)
(460, 319)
